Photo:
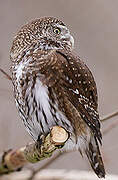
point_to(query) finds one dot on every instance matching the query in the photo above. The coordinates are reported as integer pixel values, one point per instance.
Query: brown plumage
(52, 86)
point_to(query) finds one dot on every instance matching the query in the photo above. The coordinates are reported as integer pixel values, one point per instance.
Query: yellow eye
(57, 30)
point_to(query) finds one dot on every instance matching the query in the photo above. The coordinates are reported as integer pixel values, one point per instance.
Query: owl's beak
(68, 38)
(72, 41)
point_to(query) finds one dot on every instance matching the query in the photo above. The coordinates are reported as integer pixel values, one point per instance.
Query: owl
(53, 86)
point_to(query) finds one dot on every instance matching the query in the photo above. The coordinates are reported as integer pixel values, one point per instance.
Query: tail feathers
(93, 153)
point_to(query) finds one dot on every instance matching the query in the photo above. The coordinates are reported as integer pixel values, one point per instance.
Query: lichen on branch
(12, 160)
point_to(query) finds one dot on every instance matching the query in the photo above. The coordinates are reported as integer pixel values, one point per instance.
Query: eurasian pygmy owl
(52, 86)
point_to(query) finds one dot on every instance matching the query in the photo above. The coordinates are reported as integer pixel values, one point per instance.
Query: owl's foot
(40, 140)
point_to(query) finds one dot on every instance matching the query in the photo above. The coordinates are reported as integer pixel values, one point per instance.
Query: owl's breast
(38, 110)
(46, 110)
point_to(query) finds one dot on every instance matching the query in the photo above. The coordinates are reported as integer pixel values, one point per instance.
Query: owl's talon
(59, 146)
(40, 140)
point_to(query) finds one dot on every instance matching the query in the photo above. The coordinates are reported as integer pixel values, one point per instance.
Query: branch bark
(12, 160)
(6, 75)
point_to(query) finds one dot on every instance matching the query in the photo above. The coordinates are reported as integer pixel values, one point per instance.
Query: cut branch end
(59, 135)
(33, 152)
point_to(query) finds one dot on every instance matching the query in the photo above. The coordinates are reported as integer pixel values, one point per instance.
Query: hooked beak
(72, 41)
(68, 38)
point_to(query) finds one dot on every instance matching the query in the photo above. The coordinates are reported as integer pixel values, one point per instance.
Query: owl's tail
(93, 153)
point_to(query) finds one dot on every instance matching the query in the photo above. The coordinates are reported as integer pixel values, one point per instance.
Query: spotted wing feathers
(94, 156)
(80, 88)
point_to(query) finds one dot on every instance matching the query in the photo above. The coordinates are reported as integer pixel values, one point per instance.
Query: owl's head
(45, 33)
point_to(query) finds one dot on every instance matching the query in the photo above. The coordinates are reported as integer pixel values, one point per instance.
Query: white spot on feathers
(75, 91)
(70, 81)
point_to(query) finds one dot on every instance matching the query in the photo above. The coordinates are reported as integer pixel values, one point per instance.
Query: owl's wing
(80, 88)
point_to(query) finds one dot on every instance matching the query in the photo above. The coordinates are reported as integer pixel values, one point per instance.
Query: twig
(109, 116)
(6, 75)
(34, 152)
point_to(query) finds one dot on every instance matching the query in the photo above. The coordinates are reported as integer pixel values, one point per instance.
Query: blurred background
(94, 25)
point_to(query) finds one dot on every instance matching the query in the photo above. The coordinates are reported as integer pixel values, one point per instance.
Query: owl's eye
(57, 31)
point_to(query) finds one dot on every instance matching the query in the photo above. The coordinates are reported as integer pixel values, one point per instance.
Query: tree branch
(6, 75)
(12, 160)
(109, 116)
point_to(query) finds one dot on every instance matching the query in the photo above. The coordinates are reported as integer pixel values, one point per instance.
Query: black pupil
(57, 31)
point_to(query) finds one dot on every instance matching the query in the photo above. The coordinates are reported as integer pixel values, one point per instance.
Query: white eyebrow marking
(62, 27)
